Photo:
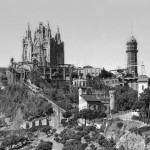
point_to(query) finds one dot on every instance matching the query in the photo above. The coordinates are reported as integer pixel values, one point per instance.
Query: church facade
(43, 49)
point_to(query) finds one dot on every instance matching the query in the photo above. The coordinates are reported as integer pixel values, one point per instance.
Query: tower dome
(131, 40)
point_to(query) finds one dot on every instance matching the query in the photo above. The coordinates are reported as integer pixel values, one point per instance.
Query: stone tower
(132, 56)
(27, 46)
(112, 100)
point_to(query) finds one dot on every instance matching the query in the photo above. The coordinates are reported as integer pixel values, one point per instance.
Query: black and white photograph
(74, 74)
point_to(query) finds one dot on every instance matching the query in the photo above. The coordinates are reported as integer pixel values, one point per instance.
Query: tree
(98, 84)
(35, 77)
(125, 98)
(46, 129)
(75, 75)
(45, 145)
(88, 76)
(86, 114)
(67, 114)
(74, 145)
(2, 148)
(105, 74)
(145, 97)
(138, 104)
(13, 140)
(48, 109)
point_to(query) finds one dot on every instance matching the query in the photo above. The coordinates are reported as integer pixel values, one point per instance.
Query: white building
(142, 83)
(92, 71)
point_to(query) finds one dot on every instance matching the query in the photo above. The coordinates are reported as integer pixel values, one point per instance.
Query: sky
(95, 32)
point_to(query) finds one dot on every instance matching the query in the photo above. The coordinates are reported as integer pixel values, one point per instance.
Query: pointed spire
(57, 30)
(49, 30)
(58, 35)
(131, 30)
(28, 26)
(48, 27)
(28, 32)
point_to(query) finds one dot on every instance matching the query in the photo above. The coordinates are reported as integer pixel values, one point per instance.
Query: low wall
(122, 113)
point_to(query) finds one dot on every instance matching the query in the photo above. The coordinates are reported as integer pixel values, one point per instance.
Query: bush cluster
(119, 124)
(139, 130)
(14, 140)
(106, 143)
(16, 95)
(134, 117)
(45, 145)
(74, 145)
(69, 134)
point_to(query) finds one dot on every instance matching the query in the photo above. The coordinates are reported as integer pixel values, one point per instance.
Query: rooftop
(131, 39)
(95, 98)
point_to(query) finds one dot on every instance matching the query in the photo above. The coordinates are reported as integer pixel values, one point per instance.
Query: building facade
(132, 56)
(95, 100)
(142, 84)
(43, 49)
(83, 72)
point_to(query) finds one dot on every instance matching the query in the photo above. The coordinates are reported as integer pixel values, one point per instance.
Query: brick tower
(132, 56)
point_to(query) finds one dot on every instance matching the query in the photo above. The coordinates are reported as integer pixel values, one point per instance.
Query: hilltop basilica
(43, 49)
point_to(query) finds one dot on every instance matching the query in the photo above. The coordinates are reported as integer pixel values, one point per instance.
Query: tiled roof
(94, 98)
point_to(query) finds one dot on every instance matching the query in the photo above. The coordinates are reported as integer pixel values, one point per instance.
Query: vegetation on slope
(18, 96)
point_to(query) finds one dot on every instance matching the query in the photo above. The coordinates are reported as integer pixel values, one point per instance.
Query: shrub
(14, 140)
(88, 140)
(121, 147)
(34, 129)
(79, 128)
(4, 133)
(90, 128)
(78, 137)
(2, 148)
(119, 124)
(134, 117)
(86, 137)
(45, 146)
(70, 126)
(64, 124)
(54, 131)
(74, 145)
(113, 111)
(84, 145)
(46, 129)
(56, 139)
(83, 133)
(115, 119)
(56, 134)
(72, 122)
(101, 137)
(63, 141)
(63, 120)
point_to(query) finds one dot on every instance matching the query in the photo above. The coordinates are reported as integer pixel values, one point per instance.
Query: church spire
(57, 37)
(49, 30)
(28, 26)
(29, 32)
